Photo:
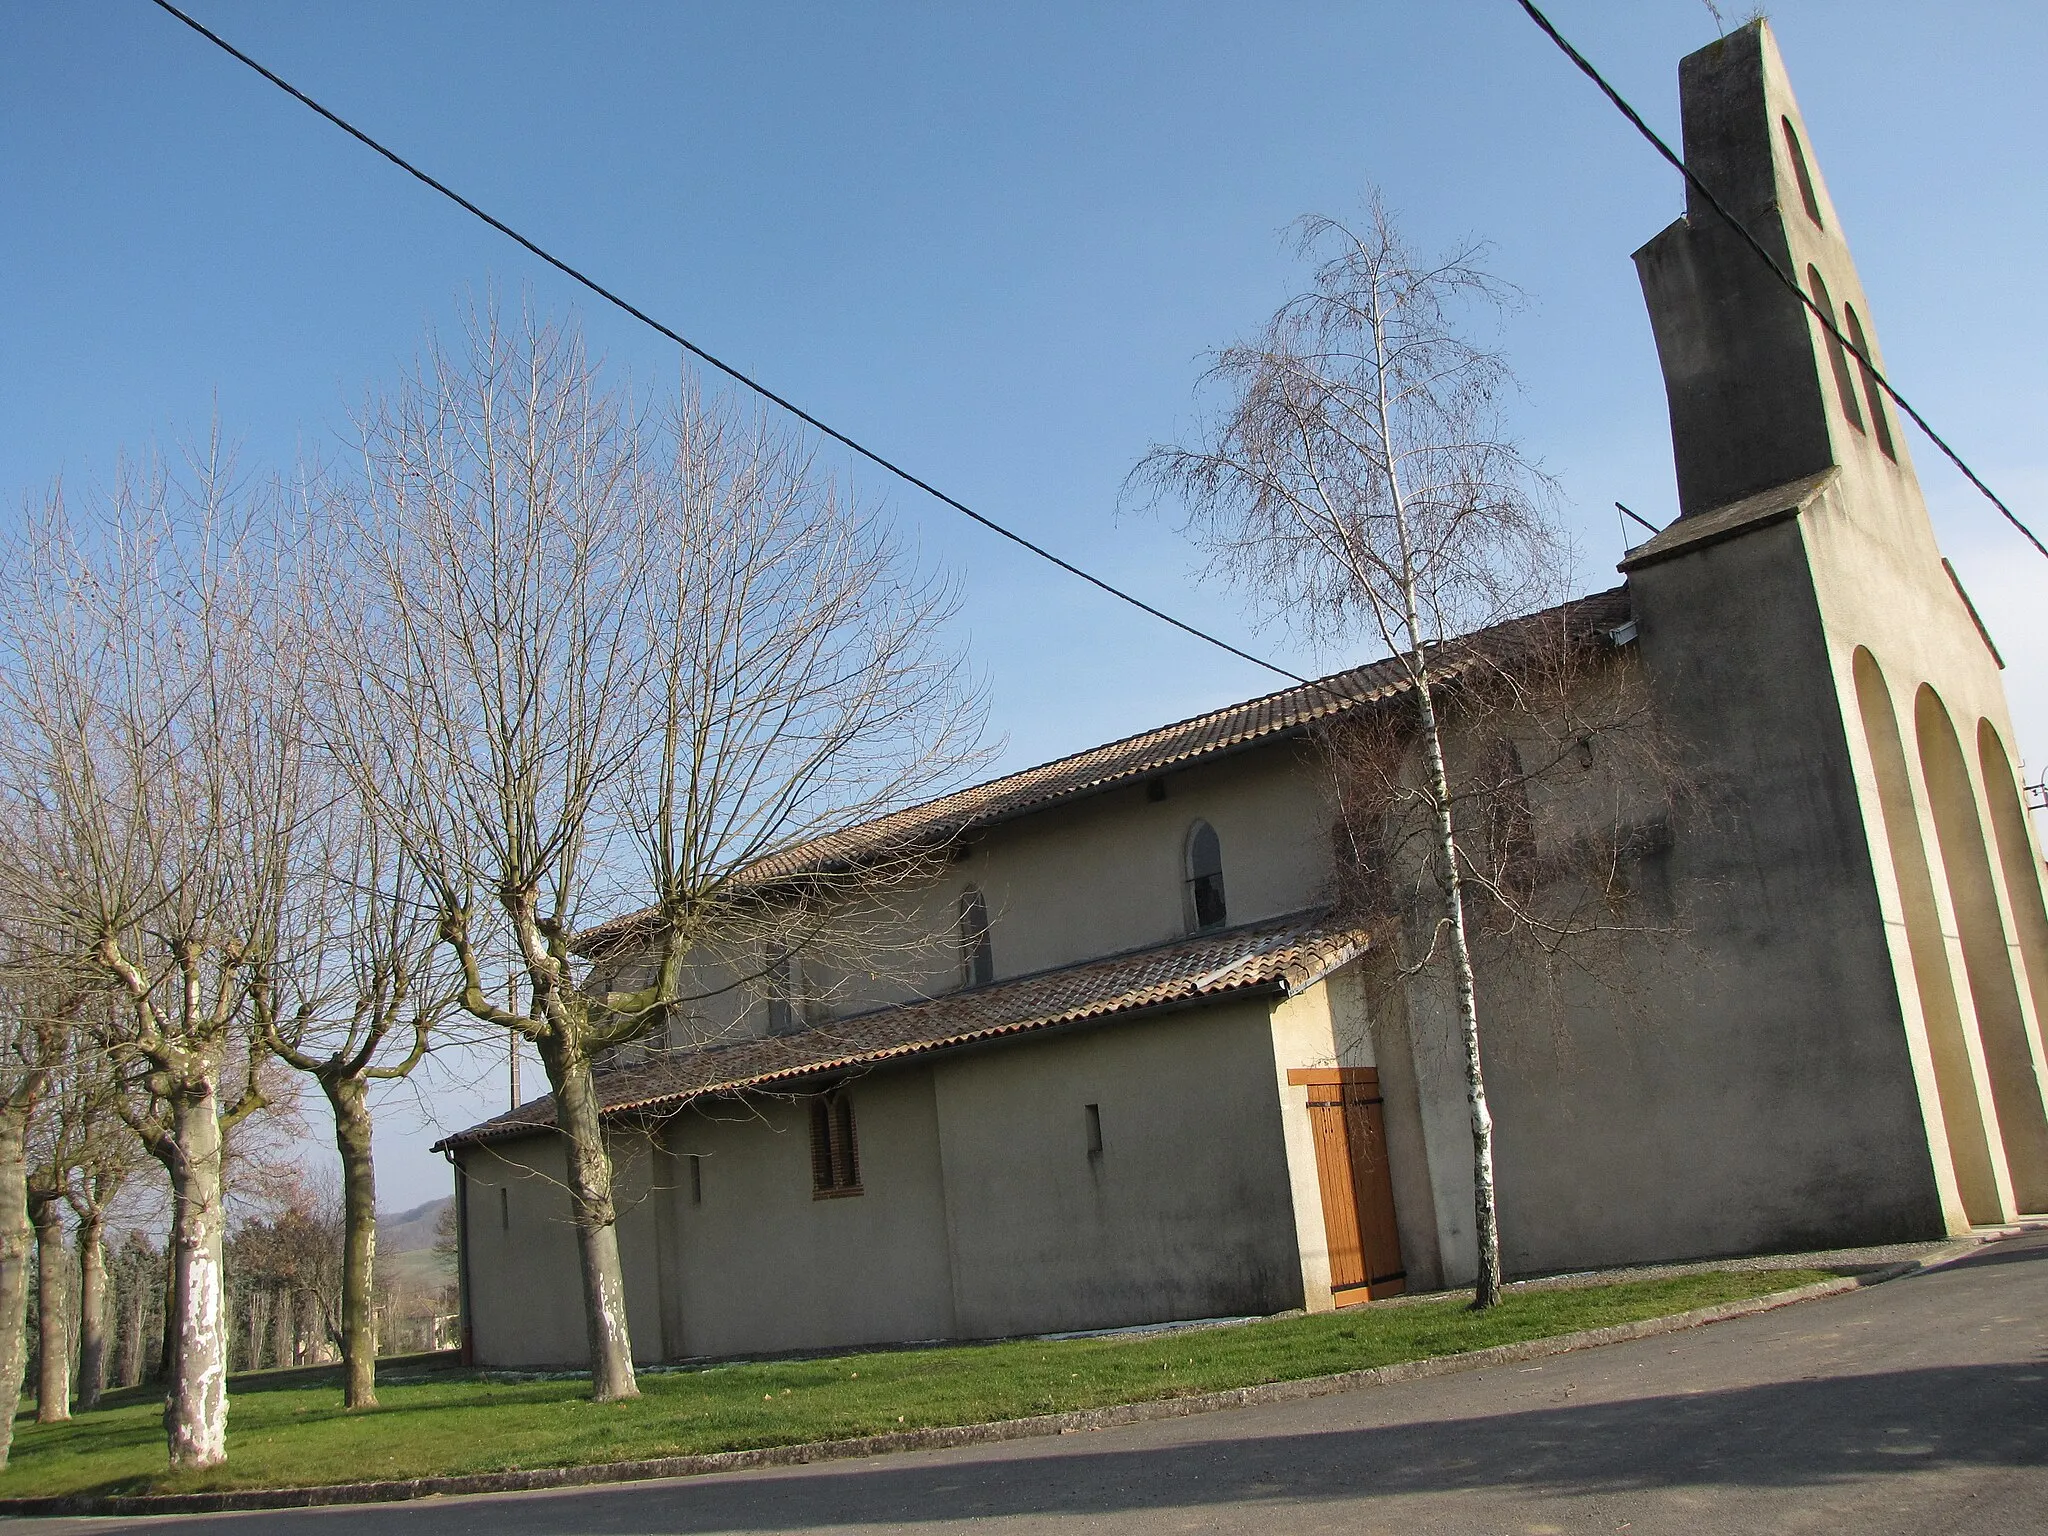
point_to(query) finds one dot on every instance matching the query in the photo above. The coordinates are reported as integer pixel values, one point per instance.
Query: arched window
(1837, 356)
(977, 946)
(782, 976)
(835, 1154)
(1205, 878)
(1873, 393)
(1801, 173)
(1510, 834)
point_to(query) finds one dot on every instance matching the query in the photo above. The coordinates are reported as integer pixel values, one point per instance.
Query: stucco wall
(1747, 1085)
(525, 1288)
(982, 1211)
(1094, 877)
(1187, 1211)
(762, 1265)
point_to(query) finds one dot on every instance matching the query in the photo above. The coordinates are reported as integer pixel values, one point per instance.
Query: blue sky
(992, 241)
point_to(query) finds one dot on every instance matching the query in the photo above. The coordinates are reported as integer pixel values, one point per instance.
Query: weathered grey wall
(1188, 1210)
(762, 1265)
(981, 1213)
(526, 1289)
(1751, 1088)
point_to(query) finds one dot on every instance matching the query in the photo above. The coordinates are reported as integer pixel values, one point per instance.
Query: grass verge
(294, 1433)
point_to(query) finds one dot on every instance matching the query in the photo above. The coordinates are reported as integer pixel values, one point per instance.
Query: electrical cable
(1827, 320)
(718, 363)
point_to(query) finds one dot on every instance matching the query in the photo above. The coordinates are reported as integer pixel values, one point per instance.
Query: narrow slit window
(1801, 174)
(1510, 832)
(696, 1179)
(1873, 392)
(835, 1156)
(1204, 878)
(1838, 356)
(505, 1209)
(781, 976)
(977, 943)
(1092, 1125)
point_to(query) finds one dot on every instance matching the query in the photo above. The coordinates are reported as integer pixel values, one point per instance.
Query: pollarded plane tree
(155, 786)
(358, 985)
(36, 1019)
(598, 649)
(84, 1156)
(1355, 475)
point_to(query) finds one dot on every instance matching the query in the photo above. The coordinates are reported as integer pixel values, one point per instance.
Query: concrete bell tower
(1760, 394)
(1869, 856)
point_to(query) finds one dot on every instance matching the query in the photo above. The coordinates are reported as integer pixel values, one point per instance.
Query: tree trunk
(92, 1310)
(167, 1303)
(596, 1221)
(350, 1100)
(134, 1324)
(196, 1396)
(1485, 1217)
(256, 1318)
(284, 1328)
(53, 1335)
(16, 1235)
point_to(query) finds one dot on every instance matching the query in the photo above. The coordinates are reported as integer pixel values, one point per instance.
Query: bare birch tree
(1357, 477)
(154, 795)
(584, 636)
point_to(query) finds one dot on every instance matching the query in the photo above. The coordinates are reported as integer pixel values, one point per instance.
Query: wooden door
(1348, 1123)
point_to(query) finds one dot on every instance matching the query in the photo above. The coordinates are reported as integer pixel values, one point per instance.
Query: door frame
(1348, 1128)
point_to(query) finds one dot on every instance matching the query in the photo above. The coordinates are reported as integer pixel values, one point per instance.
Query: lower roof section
(1287, 954)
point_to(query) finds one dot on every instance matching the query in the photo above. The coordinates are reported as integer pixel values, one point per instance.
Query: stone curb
(945, 1437)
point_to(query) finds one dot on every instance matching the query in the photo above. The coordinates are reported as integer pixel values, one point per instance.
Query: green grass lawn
(294, 1432)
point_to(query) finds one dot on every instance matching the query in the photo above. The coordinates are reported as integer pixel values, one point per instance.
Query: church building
(1137, 1066)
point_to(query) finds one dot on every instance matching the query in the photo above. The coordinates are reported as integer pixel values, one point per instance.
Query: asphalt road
(1916, 1406)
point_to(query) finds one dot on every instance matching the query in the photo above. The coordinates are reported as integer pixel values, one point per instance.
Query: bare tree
(82, 1157)
(30, 1032)
(137, 1272)
(585, 635)
(357, 999)
(104, 1162)
(1357, 476)
(290, 1267)
(153, 794)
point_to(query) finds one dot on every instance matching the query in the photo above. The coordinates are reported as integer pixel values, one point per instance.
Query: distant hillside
(410, 1231)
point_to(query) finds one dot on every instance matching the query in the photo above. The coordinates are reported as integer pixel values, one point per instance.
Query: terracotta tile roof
(1283, 955)
(1134, 758)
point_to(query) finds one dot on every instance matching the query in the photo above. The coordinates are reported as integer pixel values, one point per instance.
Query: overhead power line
(718, 363)
(1742, 231)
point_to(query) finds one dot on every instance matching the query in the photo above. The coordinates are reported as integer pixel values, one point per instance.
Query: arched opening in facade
(1954, 1081)
(977, 941)
(1205, 907)
(1804, 176)
(2001, 1024)
(1838, 355)
(2022, 882)
(1873, 392)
